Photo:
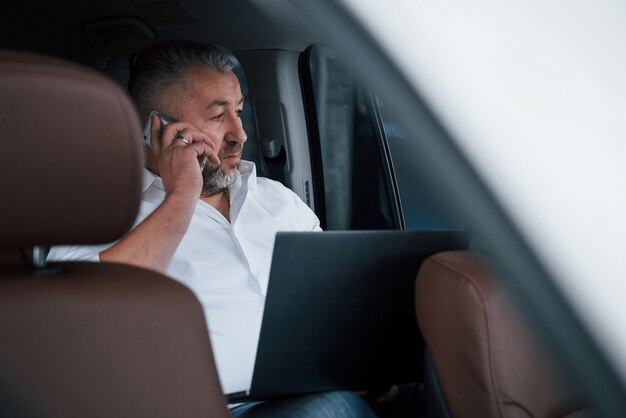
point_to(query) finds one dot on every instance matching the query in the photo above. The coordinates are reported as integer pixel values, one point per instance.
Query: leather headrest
(70, 156)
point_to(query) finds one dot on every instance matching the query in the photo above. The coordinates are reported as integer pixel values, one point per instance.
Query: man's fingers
(377, 397)
(180, 135)
(389, 395)
(183, 139)
(210, 148)
(206, 147)
(190, 135)
(211, 154)
(203, 150)
(174, 132)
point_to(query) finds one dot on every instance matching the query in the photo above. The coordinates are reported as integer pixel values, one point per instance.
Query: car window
(351, 178)
(420, 201)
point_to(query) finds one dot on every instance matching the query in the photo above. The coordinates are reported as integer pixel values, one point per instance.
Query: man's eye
(239, 112)
(218, 117)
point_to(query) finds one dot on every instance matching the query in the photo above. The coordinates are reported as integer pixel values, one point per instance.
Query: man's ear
(150, 160)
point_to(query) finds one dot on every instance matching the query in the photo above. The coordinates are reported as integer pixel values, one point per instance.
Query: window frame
(315, 145)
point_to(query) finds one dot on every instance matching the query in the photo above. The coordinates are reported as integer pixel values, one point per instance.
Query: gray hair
(160, 70)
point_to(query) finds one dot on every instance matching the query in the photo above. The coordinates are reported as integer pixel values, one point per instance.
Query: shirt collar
(149, 178)
(248, 174)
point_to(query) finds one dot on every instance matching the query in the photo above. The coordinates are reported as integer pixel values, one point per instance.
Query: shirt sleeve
(77, 252)
(309, 219)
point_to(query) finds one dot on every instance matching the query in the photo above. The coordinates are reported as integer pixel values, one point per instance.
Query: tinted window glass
(350, 162)
(417, 195)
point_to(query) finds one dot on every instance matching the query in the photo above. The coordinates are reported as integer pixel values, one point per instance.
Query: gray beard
(216, 181)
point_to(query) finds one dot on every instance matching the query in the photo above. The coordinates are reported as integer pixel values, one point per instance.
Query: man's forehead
(207, 75)
(219, 88)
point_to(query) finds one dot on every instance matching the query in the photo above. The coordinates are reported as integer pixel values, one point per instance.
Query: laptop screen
(340, 310)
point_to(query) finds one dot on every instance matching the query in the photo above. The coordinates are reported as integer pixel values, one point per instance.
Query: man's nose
(235, 132)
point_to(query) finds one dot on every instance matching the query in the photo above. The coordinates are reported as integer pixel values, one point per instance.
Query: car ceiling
(95, 32)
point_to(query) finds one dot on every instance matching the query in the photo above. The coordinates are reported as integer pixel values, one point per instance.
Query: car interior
(97, 339)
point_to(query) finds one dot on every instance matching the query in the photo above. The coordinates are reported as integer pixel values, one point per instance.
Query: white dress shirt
(226, 264)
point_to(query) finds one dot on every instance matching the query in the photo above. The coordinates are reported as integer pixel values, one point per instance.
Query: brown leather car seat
(85, 339)
(488, 364)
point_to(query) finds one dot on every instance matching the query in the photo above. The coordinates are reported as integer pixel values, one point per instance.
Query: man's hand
(175, 150)
(377, 398)
(178, 147)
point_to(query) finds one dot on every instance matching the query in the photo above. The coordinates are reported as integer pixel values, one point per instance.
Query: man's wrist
(182, 197)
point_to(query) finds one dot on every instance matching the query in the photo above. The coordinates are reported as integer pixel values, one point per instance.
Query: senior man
(206, 219)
